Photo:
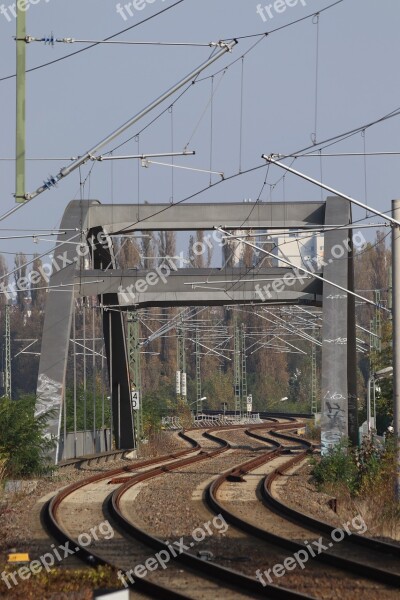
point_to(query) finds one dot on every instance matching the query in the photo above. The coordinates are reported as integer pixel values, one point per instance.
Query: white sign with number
(135, 400)
(249, 403)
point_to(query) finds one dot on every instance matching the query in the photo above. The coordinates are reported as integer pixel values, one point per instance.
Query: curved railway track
(377, 561)
(191, 576)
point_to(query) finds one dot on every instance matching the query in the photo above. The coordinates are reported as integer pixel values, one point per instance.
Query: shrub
(22, 438)
(355, 468)
(337, 467)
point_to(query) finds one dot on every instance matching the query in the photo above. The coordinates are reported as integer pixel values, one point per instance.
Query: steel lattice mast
(7, 358)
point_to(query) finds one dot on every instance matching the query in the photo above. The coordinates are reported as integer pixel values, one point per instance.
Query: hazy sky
(75, 103)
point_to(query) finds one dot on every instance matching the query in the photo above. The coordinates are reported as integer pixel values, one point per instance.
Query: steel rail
(50, 509)
(316, 525)
(231, 578)
(355, 567)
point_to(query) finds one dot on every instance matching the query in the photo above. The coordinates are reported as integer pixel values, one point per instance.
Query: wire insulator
(49, 40)
(51, 182)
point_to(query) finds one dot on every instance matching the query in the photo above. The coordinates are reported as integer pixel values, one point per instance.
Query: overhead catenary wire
(226, 68)
(309, 16)
(224, 48)
(114, 35)
(343, 136)
(262, 36)
(52, 181)
(239, 169)
(258, 35)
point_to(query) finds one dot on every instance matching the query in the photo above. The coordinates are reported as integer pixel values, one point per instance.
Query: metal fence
(85, 443)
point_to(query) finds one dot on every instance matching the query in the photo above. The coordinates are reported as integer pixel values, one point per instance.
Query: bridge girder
(186, 287)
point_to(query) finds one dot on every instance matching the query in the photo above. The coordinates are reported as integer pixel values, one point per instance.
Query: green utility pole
(135, 369)
(20, 108)
(7, 365)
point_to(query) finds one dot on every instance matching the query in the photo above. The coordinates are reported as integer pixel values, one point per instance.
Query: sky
(264, 103)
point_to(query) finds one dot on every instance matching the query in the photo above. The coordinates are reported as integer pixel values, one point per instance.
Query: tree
(20, 275)
(129, 253)
(38, 285)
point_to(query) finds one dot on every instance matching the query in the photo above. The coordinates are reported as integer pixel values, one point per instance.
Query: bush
(337, 467)
(355, 468)
(22, 443)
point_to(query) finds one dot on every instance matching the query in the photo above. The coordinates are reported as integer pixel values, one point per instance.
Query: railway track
(188, 576)
(377, 561)
(112, 496)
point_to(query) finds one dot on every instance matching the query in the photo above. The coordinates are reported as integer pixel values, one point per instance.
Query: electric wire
(309, 16)
(57, 60)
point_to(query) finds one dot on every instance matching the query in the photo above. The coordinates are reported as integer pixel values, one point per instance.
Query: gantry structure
(89, 269)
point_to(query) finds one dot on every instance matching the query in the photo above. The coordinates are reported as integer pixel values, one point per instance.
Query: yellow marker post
(18, 558)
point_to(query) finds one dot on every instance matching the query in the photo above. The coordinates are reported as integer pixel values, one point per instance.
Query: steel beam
(182, 287)
(187, 217)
